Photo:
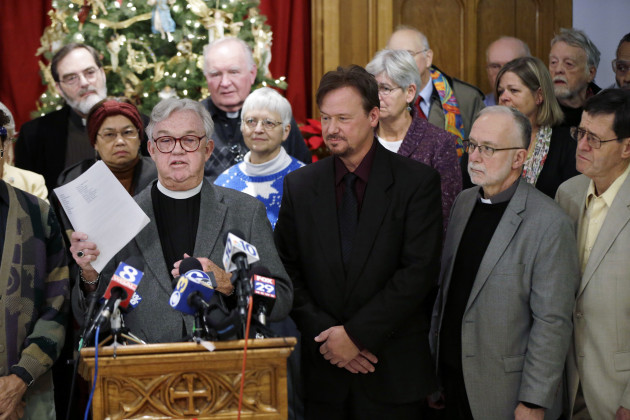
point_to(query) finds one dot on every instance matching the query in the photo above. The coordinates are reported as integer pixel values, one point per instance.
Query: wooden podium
(186, 381)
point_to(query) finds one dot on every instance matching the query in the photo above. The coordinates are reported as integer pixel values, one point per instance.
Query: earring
(409, 107)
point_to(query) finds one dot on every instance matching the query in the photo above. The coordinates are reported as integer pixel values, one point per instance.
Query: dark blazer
(382, 301)
(222, 209)
(41, 145)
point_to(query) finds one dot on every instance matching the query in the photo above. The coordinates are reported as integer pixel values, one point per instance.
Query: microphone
(119, 292)
(194, 289)
(264, 296)
(238, 253)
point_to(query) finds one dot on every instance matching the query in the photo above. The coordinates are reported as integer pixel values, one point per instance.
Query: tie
(348, 216)
(420, 112)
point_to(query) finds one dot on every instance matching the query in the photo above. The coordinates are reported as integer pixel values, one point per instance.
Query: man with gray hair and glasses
(509, 273)
(446, 102)
(188, 217)
(573, 62)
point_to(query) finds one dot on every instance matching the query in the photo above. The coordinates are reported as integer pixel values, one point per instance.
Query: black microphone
(264, 296)
(119, 292)
(193, 289)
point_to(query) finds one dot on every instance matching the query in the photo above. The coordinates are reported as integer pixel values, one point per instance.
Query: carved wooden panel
(185, 381)
(459, 31)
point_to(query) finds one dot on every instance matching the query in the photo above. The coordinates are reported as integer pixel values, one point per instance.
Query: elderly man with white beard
(509, 274)
(49, 144)
(573, 62)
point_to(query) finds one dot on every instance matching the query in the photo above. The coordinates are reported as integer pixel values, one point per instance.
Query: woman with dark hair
(525, 84)
(403, 131)
(115, 130)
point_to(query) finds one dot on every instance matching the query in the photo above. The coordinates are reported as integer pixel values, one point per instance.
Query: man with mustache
(509, 273)
(598, 201)
(359, 234)
(49, 144)
(573, 62)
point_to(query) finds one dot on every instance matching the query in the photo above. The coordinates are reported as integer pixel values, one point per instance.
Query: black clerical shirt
(177, 221)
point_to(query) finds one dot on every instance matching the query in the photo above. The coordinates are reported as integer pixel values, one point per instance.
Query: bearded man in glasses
(598, 201)
(509, 274)
(49, 144)
(189, 217)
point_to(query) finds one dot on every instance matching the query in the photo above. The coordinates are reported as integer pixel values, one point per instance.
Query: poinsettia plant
(312, 133)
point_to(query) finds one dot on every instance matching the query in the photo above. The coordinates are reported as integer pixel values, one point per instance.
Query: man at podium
(189, 217)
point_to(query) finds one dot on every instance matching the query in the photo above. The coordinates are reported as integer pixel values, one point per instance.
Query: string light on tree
(141, 58)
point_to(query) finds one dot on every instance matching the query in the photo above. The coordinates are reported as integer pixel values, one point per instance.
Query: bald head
(501, 52)
(414, 41)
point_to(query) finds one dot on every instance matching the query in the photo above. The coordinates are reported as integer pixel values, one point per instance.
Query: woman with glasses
(525, 84)
(265, 124)
(403, 131)
(115, 130)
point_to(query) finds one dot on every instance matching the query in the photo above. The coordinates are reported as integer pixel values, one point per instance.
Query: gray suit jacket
(599, 357)
(517, 322)
(222, 209)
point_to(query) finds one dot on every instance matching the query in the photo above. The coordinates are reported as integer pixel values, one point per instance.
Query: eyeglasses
(485, 151)
(189, 142)
(414, 53)
(127, 134)
(386, 90)
(73, 78)
(267, 124)
(592, 140)
(621, 66)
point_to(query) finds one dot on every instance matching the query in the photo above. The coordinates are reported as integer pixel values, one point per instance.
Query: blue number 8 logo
(128, 273)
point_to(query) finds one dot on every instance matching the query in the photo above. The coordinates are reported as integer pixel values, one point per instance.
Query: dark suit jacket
(41, 146)
(392, 270)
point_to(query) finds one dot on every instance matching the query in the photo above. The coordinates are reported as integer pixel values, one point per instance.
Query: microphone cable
(249, 319)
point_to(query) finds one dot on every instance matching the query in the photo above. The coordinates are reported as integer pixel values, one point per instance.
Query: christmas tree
(152, 49)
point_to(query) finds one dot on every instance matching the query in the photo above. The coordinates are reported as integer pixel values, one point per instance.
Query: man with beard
(509, 274)
(573, 62)
(359, 234)
(50, 143)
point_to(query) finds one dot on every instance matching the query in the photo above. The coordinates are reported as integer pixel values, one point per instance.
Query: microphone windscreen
(188, 264)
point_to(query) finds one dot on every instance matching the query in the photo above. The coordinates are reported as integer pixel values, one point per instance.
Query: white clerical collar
(273, 166)
(232, 114)
(179, 195)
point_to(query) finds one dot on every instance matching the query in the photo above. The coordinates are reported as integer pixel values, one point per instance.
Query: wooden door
(459, 31)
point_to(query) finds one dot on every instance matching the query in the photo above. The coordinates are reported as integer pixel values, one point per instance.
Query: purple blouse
(435, 147)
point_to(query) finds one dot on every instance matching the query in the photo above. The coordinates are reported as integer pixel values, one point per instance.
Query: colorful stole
(536, 159)
(453, 122)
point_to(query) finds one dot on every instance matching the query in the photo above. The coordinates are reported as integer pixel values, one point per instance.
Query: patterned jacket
(34, 287)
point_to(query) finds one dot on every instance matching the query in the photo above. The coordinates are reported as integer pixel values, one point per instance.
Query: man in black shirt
(502, 320)
(230, 72)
